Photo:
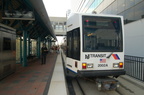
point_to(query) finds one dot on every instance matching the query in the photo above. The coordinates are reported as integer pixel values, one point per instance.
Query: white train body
(95, 45)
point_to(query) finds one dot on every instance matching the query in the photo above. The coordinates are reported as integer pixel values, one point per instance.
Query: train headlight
(121, 65)
(116, 65)
(84, 65)
(90, 65)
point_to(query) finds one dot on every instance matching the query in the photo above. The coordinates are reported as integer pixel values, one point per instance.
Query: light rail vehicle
(95, 47)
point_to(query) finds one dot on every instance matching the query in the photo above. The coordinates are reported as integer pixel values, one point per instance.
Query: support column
(21, 50)
(24, 48)
(31, 47)
(49, 42)
(38, 47)
(45, 41)
(29, 44)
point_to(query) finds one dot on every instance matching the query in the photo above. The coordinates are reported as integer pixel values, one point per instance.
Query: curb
(133, 81)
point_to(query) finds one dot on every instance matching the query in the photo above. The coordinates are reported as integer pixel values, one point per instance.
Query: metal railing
(134, 67)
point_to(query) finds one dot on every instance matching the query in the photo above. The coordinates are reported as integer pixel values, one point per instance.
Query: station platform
(36, 79)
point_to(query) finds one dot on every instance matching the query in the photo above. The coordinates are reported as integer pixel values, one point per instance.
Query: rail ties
(70, 85)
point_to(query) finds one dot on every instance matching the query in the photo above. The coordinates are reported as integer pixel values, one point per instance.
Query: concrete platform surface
(58, 85)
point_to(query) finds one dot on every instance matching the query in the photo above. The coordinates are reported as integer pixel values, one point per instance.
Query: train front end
(102, 46)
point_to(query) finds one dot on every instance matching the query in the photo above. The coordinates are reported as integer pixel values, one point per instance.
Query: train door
(73, 49)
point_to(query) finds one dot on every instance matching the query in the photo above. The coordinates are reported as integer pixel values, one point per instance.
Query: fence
(134, 67)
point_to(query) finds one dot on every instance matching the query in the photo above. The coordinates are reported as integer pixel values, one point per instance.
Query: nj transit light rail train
(95, 46)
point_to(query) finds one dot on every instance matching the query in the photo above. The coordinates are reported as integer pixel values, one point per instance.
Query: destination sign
(22, 15)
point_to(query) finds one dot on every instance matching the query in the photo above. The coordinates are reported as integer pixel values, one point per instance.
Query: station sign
(20, 15)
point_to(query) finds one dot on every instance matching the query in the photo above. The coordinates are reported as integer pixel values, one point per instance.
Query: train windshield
(102, 34)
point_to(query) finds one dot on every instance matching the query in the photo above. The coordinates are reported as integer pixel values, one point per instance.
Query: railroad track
(80, 87)
(85, 87)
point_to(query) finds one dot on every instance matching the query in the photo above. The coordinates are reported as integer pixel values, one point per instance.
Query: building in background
(85, 6)
(131, 10)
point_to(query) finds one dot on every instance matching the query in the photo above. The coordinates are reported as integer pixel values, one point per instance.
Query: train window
(6, 43)
(69, 44)
(102, 34)
(76, 44)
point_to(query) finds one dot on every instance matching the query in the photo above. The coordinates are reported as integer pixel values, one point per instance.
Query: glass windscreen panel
(102, 34)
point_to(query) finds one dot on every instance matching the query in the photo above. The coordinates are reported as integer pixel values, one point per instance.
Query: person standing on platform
(44, 52)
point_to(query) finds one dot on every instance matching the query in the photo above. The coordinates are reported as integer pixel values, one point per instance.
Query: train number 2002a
(102, 65)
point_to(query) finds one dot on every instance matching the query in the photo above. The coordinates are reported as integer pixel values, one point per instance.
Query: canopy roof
(27, 15)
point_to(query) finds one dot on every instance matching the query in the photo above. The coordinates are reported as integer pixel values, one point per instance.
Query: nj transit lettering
(88, 56)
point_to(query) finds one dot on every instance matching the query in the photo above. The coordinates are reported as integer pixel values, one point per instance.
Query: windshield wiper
(109, 55)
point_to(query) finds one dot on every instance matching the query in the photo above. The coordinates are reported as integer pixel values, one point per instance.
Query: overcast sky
(57, 8)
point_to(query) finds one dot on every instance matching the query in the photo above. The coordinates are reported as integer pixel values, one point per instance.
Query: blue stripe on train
(71, 70)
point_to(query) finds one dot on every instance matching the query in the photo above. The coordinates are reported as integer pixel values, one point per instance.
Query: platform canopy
(27, 15)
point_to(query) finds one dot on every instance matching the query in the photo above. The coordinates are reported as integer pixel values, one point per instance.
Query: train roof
(90, 14)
